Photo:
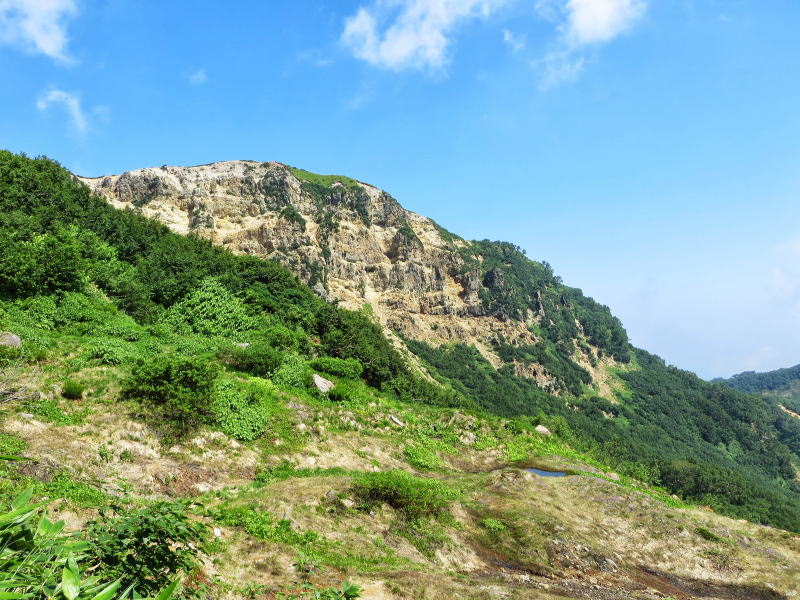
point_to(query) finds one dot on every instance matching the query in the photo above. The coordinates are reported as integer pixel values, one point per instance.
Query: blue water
(547, 473)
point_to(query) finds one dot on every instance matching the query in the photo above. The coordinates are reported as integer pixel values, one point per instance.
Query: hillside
(783, 383)
(163, 382)
(500, 329)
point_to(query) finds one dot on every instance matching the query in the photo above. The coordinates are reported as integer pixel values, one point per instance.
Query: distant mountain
(781, 384)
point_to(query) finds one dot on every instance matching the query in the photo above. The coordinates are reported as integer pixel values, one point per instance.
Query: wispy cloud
(514, 42)
(410, 34)
(71, 104)
(37, 26)
(198, 77)
(582, 25)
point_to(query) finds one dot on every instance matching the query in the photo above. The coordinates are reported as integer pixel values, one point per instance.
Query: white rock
(396, 421)
(613, 476)
(468, 438)
(9, 339)
(322, 384)
(542, 429)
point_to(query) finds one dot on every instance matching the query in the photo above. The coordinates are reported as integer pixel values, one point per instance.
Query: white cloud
(594, 21)
(72, 105)
(582, 24)
(515, 43)
(37, 26)
(400, 34)
(198, 77)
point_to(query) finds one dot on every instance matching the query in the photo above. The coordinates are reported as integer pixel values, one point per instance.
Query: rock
(25, 416)
(611, 564)
(330, 495)
(57, 391)
(10, 340)
(542, 429)
(217, 532)
(613, 476)
(468, 438)
(396, 421)
(322, 384)
(242, 344)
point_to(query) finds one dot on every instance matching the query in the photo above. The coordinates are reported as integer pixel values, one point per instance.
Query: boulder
(542, 429)
(10, 340)
(322, 384)
(468, 438)
(396, 421)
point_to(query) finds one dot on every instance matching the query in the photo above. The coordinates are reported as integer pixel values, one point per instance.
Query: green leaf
(167, 592)
(22, 499)
(70, 583)
(107, 592)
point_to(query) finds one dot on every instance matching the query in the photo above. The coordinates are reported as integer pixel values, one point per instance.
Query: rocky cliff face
(348, 240)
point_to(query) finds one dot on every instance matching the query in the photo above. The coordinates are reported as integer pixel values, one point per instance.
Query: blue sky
(648, 149)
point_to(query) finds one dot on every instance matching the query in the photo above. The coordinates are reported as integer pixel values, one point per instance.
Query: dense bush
(72, 390)
(259, 358)
(242, 409)
(414, 497)
(177, 391)
(294, 372)
(40, 560)
(209, 310)
(347, 367)
(145, 547)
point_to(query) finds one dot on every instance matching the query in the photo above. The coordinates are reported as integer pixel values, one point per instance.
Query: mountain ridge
(352, 242)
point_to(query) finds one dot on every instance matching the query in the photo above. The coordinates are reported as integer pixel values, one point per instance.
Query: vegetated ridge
(167, 383)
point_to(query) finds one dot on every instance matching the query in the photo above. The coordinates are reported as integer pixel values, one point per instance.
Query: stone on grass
(542, 429)
(322, 384)
(396, 421)
(10, 340)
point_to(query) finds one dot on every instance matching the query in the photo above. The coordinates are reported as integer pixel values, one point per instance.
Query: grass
(323, 180)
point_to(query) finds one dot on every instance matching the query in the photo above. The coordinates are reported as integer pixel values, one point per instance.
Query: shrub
(259, 359)
(422, 457)
(145, 547)
(178, 390)
(294, 372)
(347, 367)
(242, 410)
(210, 310)
(72, 390)
(37, 555)
(110, 352)
(263, 525)
(414, 497)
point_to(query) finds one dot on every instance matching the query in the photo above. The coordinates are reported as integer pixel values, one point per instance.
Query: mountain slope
(354, 243)
(148, 367)
(780, 383)
(657, 423)
(495, 327)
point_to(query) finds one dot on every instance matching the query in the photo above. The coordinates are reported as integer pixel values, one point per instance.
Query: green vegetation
(177, 392)
(188, 338)
(144, 547)
(41, 560)
(414, 497)
(72, 390)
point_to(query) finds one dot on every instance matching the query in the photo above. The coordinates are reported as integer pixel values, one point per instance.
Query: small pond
(543, 473)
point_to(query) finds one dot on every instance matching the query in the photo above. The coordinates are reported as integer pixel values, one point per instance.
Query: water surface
(543, 473)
